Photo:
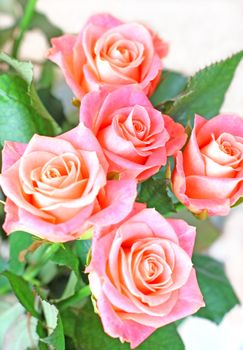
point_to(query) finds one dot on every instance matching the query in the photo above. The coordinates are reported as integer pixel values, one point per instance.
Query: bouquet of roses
(92, 207)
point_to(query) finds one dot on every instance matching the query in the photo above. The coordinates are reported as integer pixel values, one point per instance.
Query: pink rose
(135, 137)
(109, 53)
(209, 173)
(141, 275)
(56, 187)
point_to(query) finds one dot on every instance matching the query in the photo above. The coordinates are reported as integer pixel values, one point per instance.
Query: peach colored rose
(208, 175)
(55, 187)
(109, 53)
(141, 275)
(135, 137)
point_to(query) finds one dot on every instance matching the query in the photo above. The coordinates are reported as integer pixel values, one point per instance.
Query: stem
(24, 24)
(33, 270)
(77, 297)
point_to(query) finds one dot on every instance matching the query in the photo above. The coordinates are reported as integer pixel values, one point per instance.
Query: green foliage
(82, 248)
(54, 325)
(70, 322)
(79, 296)
(23, 292)
(217, 291)
(156, 193)
(90, 335)
(52, 104)
(65, 257)
(171, 85)
(19, 241)
(205, 91)
(20, 114)
(24, 69)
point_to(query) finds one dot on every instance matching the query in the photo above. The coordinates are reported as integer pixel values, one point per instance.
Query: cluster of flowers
(57, 188)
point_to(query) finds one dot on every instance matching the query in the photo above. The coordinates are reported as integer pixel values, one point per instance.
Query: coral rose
(141, 275)
(208, 175)
(109, 53)
(56, 186)
(135, 137)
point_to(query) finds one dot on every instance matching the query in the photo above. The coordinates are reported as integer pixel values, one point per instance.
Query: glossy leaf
(205, 91)
(21, 114)
(171, 85)
(19, 241)
(217, 291)
(23, 292)
(24, 69)
(90, 335)
(156, 193)
(66, 257)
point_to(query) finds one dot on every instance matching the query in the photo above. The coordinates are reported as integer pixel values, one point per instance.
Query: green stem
(33, 270)
(77, 297)
(24, 24)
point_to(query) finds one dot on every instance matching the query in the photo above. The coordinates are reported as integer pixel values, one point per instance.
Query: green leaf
(79, 296)
(90, 335)
(205, 91)
(21, 113)
(52, 104)
(18, 241)
(54, 326)
(171, 84)
(70, 321)
(23, 292)
(72, 285)
(24, 69)
(40, 21)
(82, 248)
(156, 193)
(217, 291)
(65, 257)
(47, 76)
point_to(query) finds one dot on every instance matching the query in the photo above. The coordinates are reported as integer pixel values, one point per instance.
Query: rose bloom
(208, 175)
(56, 186)
(110, 53)
(141, 275)
(135, 137)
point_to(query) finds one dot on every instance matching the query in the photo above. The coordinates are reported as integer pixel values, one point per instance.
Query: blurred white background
(199, 32)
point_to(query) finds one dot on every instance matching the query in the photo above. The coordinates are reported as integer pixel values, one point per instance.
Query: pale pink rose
(135, 137)
(141, 275)
(56, 187)
(109, 53)
(208, 175)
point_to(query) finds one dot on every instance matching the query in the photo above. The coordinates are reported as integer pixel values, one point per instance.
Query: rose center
(52, 173)
(138, 126)
(227, 148)
(149, 267)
